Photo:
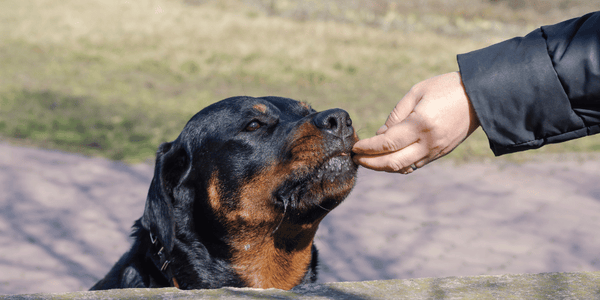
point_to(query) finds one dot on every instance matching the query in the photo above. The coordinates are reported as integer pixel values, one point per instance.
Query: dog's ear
(158, 215)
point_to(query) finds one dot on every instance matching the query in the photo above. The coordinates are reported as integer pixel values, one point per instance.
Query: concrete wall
(584, 285)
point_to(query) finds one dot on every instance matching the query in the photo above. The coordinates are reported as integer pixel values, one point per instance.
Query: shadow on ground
(65, 219)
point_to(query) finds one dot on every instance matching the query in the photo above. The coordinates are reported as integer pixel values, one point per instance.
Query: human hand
(433, 118)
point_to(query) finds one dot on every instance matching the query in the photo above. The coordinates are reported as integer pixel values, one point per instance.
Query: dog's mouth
(339, 164)
(309, 195)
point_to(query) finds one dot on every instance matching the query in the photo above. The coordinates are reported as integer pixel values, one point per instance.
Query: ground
(65, 219)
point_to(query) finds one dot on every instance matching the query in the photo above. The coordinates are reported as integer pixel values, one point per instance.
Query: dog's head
(251, 178)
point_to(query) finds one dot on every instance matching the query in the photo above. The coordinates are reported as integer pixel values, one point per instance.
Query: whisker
(323, 207)
(282, 217)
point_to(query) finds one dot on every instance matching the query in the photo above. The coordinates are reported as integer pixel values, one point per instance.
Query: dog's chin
(313, 194)
(338, 168)
(334, 179)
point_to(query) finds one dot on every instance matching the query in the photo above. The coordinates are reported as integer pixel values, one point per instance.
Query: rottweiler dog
(237, 198)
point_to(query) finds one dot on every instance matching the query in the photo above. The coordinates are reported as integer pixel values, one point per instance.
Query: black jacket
(538, 89)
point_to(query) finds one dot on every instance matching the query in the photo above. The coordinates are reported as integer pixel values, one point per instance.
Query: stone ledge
(581, 285)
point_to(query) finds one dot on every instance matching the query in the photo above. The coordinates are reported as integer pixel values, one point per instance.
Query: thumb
(394, 139)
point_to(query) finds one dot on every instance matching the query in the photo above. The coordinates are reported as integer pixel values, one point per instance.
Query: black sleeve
(538, 89)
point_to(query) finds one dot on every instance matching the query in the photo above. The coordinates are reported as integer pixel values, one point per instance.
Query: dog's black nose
(334, 121)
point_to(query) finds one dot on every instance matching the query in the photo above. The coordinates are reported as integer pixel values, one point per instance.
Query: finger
(404, 107)
(398, 161)
(381, 129)
(429, 157)
(417, 165)
(394, 139)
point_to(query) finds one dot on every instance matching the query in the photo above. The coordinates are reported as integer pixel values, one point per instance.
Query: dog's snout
(334, 121)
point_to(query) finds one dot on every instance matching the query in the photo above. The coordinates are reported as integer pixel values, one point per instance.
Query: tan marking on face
(214, 192)
(305, 105)
(307, 146)
(260, 107)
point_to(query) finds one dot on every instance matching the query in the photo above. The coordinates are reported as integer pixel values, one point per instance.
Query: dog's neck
(161, 259)
(274, 260)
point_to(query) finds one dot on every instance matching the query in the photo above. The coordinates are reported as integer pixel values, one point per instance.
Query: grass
(115, 78)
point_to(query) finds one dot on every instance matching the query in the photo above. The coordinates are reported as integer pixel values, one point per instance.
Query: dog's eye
(252, 126)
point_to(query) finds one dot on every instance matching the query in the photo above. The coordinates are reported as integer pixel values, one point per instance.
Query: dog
(237, 198)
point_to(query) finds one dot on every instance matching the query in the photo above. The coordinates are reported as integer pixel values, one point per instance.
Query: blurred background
(115, 78)
(101, 83)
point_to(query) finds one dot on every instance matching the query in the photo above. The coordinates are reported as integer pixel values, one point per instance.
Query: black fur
(219, 141)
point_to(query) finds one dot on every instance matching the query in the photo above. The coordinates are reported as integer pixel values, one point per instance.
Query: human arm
(526, 92)
(539, 89)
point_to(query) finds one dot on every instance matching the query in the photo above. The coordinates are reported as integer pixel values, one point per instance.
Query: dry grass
(117, 77)
(454, 17)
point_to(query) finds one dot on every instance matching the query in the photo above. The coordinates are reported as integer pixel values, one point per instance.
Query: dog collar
(161, 260)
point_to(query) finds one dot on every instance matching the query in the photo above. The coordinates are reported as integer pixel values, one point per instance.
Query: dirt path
(65, 219)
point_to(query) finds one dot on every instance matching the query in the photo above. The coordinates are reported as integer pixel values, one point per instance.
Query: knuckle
(397, 165)
(389, 144)
(435, 144)
(394, 118)
(428, 122)
(394, 167)
(415, 89)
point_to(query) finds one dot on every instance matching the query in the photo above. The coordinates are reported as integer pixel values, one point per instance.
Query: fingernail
(382, 129)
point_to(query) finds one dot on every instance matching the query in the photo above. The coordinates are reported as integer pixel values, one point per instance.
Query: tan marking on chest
(261, 264)
(259, 255)
(214, 192)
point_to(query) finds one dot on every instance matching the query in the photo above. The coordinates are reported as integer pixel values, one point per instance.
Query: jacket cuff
(517, 95)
